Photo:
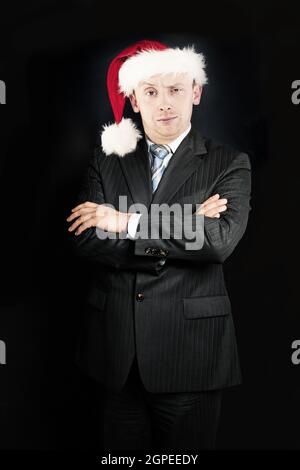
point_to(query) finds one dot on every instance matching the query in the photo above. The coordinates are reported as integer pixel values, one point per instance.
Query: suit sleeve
(114, 252)
(218, 236)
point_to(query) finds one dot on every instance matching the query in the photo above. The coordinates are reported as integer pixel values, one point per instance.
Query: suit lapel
(136, 169)
(185, 161)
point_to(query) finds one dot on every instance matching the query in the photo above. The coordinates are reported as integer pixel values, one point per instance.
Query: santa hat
(134, 64)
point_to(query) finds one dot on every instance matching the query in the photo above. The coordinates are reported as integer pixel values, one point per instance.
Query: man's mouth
(166, 119)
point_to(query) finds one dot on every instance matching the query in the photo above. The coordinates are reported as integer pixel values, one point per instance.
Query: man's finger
(212, 212)
(85, 204)
(89, 223)
(79, 221)
(212, 198)
(215, 204)
(87, 210)
(212, 206)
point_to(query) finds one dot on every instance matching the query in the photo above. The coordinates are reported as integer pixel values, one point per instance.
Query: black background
(53, 59)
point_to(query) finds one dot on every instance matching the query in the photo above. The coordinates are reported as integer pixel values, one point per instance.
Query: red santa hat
(134, 64)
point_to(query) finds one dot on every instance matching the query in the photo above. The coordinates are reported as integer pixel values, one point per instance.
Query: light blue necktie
(158, 152)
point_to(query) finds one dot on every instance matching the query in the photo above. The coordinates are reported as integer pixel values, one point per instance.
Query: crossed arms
(222, 225)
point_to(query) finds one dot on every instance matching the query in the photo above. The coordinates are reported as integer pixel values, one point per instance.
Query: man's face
(166, 104)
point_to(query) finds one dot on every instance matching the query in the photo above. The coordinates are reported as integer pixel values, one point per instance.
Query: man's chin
(168, 131)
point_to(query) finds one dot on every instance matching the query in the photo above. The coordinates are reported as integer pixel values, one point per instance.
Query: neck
(162, 140)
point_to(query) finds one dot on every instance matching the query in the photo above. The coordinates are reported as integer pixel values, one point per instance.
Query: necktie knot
(158, 151)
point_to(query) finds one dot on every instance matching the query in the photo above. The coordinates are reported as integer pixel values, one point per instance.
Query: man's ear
(197, 92)
(134, 103)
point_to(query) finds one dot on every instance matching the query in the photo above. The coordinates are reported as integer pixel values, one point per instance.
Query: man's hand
(212, 206)
(90, 214)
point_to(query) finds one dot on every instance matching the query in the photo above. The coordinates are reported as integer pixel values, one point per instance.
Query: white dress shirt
(134, 219)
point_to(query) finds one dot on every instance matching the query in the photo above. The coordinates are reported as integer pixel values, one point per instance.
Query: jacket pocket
(206, 307)
(97, 298)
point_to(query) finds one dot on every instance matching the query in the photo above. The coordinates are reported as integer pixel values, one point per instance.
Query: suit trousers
(136, 419)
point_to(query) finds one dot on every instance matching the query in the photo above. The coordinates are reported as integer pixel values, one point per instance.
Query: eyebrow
(170, 86)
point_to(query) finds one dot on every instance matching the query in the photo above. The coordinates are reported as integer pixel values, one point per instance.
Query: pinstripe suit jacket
(152, 298)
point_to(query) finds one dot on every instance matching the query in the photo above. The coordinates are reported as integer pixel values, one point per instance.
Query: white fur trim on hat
(120, 138)
(147, 63)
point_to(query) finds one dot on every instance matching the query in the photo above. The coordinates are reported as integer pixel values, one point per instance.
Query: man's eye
(150, 92)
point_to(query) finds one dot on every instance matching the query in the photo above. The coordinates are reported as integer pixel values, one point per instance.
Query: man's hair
(193, 84)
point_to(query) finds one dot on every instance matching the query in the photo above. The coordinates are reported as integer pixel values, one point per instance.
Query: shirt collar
(175, 143)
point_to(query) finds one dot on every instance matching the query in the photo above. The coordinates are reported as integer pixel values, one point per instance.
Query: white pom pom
(121, 138)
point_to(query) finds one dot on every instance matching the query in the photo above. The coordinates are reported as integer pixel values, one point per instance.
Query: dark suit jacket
(152, 298)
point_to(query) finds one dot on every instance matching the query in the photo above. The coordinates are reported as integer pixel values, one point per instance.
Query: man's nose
(164, 104)
(164, 107)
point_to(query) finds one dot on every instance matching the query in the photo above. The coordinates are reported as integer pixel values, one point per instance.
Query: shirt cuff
(132, 226)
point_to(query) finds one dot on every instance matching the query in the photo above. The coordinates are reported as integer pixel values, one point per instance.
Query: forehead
(166, 80)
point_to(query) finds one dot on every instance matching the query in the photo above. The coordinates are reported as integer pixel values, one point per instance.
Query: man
(159, 332)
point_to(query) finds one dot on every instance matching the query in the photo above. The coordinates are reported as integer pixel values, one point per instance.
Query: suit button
(139, 297)
(163, 252)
